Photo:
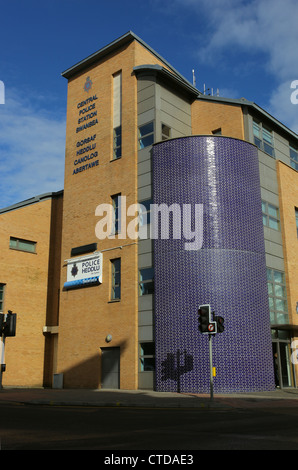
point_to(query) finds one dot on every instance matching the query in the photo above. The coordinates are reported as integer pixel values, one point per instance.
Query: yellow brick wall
(26, 278)
(288, 197)
(144, 56)
(86, 315)
(208, 116)
(52, 316)
(288, 190)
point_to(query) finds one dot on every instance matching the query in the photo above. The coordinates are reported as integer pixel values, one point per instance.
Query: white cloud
(281, 106)
(32, 149)
(267, 27)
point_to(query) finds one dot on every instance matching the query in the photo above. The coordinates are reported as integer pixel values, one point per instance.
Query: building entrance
(283, 367)
(110, 368)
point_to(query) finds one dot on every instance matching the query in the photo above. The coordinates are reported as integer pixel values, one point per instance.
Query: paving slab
(145, 398)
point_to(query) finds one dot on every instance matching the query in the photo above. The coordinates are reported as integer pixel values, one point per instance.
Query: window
(117, 145)
(165, 132)
(147, 357)
(146, 281)
(116, 279)
(145, 212)
(268, 142)
(283, 365)
(277, 297)
(116, 202)
(294, 158)
(257, 134)
(217, 131)
(22, 245)
(117, 115)
(145, 219)
(146, 135)
(296, 214)
(263, 138)
(2, 286)
(270, 216)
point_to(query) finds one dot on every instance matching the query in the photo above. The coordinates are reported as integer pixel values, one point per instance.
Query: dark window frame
(116, 203)
(117, 142)
(146, 281)
(263, 138)
(145, 135)
(268, 218)
(146, 356)
(19, 247)
(115, 279)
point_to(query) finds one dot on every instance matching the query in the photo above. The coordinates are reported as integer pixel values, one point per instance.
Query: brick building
(111, 311)
(30, 241)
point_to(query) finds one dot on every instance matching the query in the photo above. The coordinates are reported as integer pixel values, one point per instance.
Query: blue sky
(243, 48)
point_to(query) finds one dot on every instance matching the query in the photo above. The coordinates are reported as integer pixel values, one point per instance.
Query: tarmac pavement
(146, 398)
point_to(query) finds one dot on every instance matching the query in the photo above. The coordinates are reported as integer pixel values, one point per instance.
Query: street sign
(212, 328)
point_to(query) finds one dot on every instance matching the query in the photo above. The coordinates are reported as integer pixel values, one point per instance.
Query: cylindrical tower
(227, 270)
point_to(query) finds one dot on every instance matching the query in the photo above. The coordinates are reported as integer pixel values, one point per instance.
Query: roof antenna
(193, 78)
(206, 89)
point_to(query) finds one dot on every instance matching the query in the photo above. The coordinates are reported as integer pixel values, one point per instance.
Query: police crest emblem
(88, 84)
(74, 270)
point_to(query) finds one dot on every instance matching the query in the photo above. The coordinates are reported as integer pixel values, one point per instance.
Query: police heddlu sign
(85, 270)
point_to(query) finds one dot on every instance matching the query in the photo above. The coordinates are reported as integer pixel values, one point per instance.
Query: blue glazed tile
(229, 272)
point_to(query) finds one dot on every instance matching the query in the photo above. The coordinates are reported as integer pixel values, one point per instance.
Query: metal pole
(178, 370)
(2, 352)
(211, 367)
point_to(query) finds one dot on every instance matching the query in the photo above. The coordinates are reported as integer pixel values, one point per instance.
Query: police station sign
(86, 156)
(85, 270)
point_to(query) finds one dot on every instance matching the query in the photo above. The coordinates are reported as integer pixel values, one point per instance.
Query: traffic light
(204, 318)
(220, 324)
(9, 324)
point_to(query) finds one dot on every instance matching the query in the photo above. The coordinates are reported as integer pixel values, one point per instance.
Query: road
(36, 427)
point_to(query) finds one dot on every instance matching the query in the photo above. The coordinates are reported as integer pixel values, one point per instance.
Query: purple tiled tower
(228, 271)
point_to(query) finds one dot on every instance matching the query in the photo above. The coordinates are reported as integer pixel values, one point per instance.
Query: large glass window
(145, 212)
(146, 135)
(117, 115)
(277, 297)
(294, 158)
(116, 279)
(117, 142)
(271, 217)
(145, 219)
(146, 281)
(268, 142)
(296, 215)
(116, 202)
(263, 138)
(22, 245)
(147, 357)
(283, 366)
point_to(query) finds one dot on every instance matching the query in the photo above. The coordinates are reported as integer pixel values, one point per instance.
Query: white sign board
(84, 270)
